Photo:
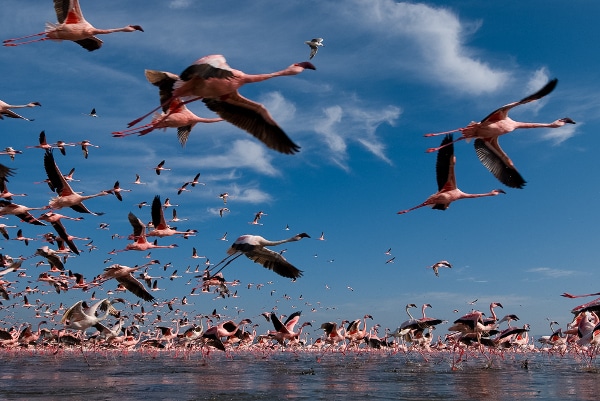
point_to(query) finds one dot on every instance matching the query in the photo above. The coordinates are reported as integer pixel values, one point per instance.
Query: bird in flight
(314, 46)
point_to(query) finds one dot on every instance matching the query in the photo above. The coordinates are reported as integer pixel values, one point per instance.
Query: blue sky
(389, 72)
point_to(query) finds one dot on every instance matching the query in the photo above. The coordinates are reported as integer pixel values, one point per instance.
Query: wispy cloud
(548, 272)
(243, 154)
(436, 38)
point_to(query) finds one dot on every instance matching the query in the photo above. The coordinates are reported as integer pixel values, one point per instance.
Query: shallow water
(164, 375)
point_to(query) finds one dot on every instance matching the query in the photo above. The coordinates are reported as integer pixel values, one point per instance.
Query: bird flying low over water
(487, 131)
(254, 247)
(211, 79)
(314, 46)
(71, 26)
(446, 179)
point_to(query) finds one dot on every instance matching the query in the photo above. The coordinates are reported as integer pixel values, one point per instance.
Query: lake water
(168, 375)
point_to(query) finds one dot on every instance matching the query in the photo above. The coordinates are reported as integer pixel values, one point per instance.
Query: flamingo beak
(306, 65)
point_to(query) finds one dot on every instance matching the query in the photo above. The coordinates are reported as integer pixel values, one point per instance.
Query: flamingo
(497, 123)
(21, 212)
(85, 145)
(160, 167)
(161, 228)
(285, 331)
(314, 46)
(5, 193)
(71, 26)
(353, 331)
(55, 220)
(175, 113)
(66, 196)
(5, 110)
(447, 190)
(332, 334)
(141, 243)
(116, 190)
(124, 275)
(9, 151)
(437, 265)
(79, 317)
(43, 144)
(254, 247)
(211, 79)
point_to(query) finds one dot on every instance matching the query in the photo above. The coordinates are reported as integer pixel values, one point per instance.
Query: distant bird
(322, 237)
(223, 210)
(92, 113)
(195, 181)
(138, 180)
(9, 151)
(390, 260)
(437, 265)
(71, 26)
(55, 220)
(5, 110)
(43, 144)
(141, 242)
(497, 123)
(254, 247)
(314, 46)
(161, 228)
(116, 191)
(160, 167)
(85, 144)
(66, 196)
(224, 196)
(446, 179)
(211, 79)
(175, 114)
(51, 257)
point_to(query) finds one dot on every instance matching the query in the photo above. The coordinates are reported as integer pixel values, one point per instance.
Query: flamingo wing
(12, 114)
(183, 134)
(29, 218)
(57, 181)
(273, 261)
(164, 81)
(136, 287)
(502, 112)
(5, 172)
(292, 320)
(206, 70)
(497, 162)
(444, 162)
(62, 233)
(136, 223)
(253, 118)
(158, 218)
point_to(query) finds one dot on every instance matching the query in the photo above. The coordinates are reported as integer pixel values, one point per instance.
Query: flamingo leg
(8, 42)
(132, 131)
(168, 101)
(231, 259)
(443, 133)
(430, 150)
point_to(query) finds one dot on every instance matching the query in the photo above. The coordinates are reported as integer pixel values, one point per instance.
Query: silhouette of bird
(71, 26)
(497, 123)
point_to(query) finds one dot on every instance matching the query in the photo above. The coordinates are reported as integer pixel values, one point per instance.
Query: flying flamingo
(54, 219)
(210, 78)
(9, 151)
(285, 331)
(141, 243)
(314, 46)
(71, 26)
(487, 131)
(5, 109)
(20, 211)
(116, 190)
(353, 331)
(79, 317)
(175, 114)
(447, 190)
(66, 196)
(437, 265)
(124, 275)
(161, 228)
(5, 193)
(254, 247)
(593, 306)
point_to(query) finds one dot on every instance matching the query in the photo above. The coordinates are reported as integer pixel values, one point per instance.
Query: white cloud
(281, 109)
(435, 38)
(551, 273)
(180, 3)
(243, 153)
(559, 135)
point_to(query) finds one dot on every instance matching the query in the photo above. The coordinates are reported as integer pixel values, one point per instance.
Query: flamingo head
(135, 28)
(566, 120)
(498, 191)
(497, 304)
(33, 104)
(306, 65)
(301, 235)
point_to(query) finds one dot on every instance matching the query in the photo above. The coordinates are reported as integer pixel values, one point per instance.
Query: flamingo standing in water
(5, 109)
(497, 123)
(66, 196)
(71, 26)
(254, 247)
(175, 114)
(447, 190)
(211, 79)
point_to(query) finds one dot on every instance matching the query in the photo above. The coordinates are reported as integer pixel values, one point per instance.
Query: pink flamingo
(254, 247)
(66, 196)
(5, 109)
(175, 114)
(124, 275)
(21, 212)
(447, 190)
(437, 265)
(161, 228)
(55, 220)
(71, 26)
(141, 243)
(285, 331)
(210, 78)
(116, 190)
(497, 123)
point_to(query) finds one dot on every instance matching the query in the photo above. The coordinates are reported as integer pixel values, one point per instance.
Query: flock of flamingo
(211, 80)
